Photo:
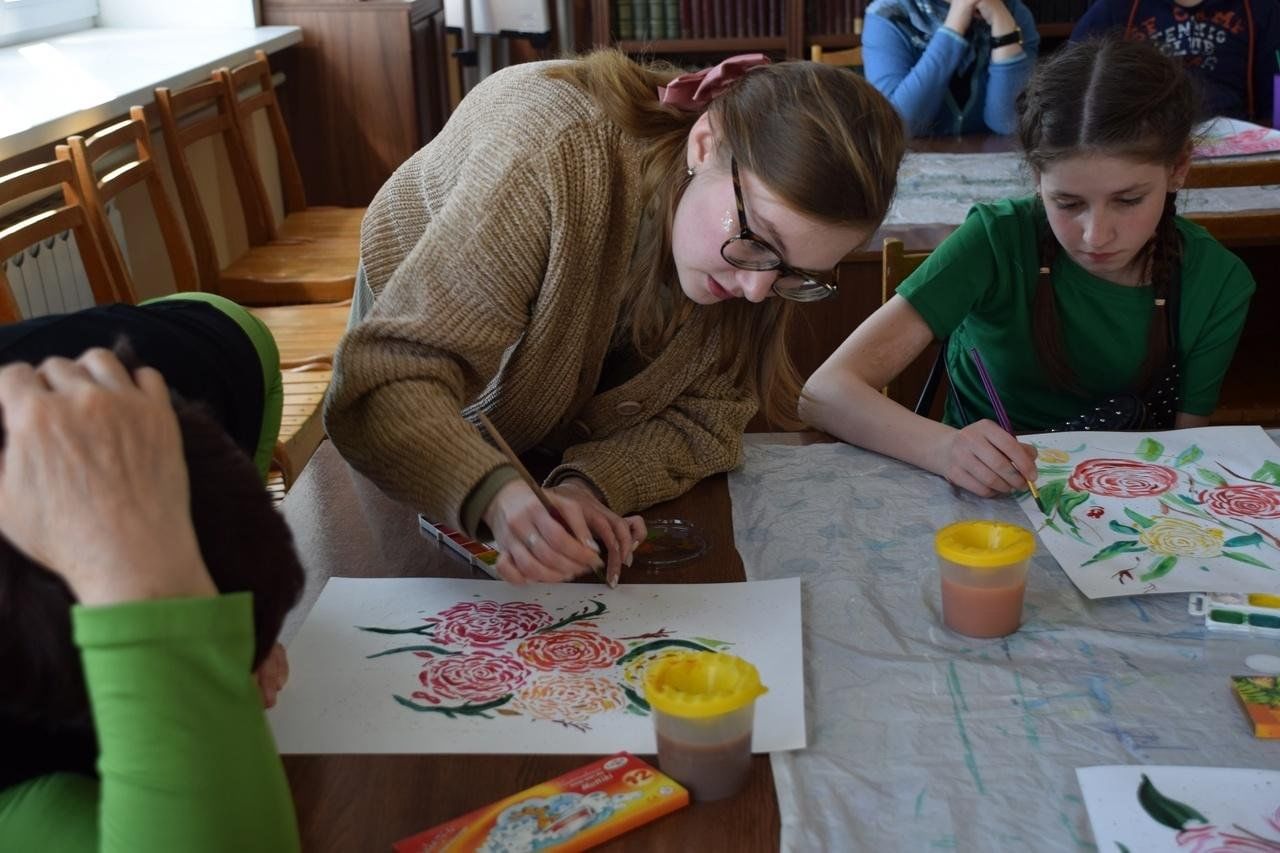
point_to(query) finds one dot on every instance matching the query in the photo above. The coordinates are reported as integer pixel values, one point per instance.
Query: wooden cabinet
(365, 89)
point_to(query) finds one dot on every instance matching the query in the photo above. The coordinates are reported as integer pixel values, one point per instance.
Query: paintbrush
(532, 484)
(1001, 415)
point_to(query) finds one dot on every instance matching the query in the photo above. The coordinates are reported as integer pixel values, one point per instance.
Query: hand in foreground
(271, 675)
(984, 459)
(536, 546)
(620, 536)
(92, 480)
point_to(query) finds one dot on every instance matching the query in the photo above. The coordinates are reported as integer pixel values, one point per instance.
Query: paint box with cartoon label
(576, 811)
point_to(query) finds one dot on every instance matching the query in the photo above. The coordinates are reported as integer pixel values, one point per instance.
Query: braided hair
(1108, 96)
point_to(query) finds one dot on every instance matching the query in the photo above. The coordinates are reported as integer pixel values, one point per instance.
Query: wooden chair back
(134, 137)
(185, 119)
(895, 265)
(1245, 227)
(241, 82)
(848, 58)
(70, 215)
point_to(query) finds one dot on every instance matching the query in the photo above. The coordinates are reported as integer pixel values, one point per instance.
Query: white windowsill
(52, 88)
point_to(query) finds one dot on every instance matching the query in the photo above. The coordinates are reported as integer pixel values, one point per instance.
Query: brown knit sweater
(497, 255)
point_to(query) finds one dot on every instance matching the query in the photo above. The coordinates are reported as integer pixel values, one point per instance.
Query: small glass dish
(670, 542)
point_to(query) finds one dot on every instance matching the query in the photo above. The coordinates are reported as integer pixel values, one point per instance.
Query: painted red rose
(477, 677)
(488, 623)
(569, 698)
(1244, 501)
(570, 651)
(1122, 478)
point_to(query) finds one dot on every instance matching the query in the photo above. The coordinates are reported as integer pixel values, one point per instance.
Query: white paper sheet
(1156, 808)
(492, 673)
(1195, 510)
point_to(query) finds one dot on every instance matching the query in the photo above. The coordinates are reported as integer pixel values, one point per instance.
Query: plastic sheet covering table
(921, 739)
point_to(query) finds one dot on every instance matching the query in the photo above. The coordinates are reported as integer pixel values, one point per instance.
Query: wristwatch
(1014, 37)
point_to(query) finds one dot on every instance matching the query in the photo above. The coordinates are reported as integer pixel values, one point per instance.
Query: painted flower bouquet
(517, 659)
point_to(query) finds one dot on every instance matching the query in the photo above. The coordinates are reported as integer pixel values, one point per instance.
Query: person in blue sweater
(950, 68)
(1228, 45)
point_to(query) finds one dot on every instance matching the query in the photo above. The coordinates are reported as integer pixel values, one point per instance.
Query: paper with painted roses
(1194, 510)
(427, 665)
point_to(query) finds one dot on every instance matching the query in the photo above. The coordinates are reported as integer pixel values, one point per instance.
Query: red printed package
(576, 811)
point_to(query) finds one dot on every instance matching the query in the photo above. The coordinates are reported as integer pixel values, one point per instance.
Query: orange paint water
(977, 611)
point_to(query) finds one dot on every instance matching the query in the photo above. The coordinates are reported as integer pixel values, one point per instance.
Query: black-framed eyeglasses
(747, 251)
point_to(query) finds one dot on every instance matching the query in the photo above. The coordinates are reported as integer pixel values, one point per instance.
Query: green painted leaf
(1159, 568)
(1123, 546)
(1055, 470)
(1191, 454)
(1211, 477)
(1122, 848)
(1117, 527)
(640, 651)
(1243, 541)
(1171, 813)
(1188, 500)
(1140, 519)
(1068, 502)
(435, 650)
(1051, 492)
(1268, 473)
(1247, 558)
(1149, 449)
(637, 701)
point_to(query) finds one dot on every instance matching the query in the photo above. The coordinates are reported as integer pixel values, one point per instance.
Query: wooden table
(366, 802)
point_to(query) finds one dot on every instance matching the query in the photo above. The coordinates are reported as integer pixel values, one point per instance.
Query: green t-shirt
(186, 759)
(979, 286)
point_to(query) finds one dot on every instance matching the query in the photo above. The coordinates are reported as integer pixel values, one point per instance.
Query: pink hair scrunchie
(693, 92)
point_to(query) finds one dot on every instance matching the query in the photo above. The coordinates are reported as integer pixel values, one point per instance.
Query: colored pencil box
(576, 811)
(1259, 695)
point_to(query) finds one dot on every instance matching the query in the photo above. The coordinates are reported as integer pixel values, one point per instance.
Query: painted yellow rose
(1182, 538)
(1053, 456)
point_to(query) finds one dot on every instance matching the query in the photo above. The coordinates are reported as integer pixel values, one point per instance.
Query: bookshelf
(777, 27)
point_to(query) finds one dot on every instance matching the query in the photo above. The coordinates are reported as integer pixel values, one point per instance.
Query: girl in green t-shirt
(1135, 301)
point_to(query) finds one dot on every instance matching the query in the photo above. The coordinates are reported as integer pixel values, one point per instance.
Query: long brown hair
(1118, 98)
(821, 138)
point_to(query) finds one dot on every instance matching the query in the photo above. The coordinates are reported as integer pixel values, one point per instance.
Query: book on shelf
(624, 25)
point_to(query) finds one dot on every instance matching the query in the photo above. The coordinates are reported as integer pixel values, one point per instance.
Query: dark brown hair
(45, 720)
(820, 137)
(1108, 96)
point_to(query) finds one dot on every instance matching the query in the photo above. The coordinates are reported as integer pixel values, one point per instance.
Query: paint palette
(481, 555)
(1255, 612)
(670, 542)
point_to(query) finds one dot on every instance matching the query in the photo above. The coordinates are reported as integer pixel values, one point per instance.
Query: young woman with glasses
(586, 254)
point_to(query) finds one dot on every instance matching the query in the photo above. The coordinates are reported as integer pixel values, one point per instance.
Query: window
(26, 19)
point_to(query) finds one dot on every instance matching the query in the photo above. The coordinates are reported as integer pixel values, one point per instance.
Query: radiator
(48, 277)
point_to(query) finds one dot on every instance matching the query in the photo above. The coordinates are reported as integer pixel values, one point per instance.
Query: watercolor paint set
(1259, 696)
(481, 555)
(576, 811)
(1244, 613)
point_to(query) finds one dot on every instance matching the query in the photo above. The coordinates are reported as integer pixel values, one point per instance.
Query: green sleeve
(186, 759)
(956, 276)
(1207, 351)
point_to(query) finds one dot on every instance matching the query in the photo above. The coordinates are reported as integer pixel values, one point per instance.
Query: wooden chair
(306, 335)
(929, 369)
(300, 221)
(1241, 228)
(275, 270)
(849, 58)
(1249, 393)
(44, 224)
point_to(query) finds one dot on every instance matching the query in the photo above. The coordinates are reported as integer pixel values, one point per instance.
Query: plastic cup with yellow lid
(984, 575)
(703, 713)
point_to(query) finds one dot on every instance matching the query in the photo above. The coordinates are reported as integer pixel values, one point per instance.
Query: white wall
(184, 14)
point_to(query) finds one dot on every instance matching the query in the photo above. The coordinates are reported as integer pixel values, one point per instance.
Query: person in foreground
(1092, 304)
(143, 575)
(586, 253)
